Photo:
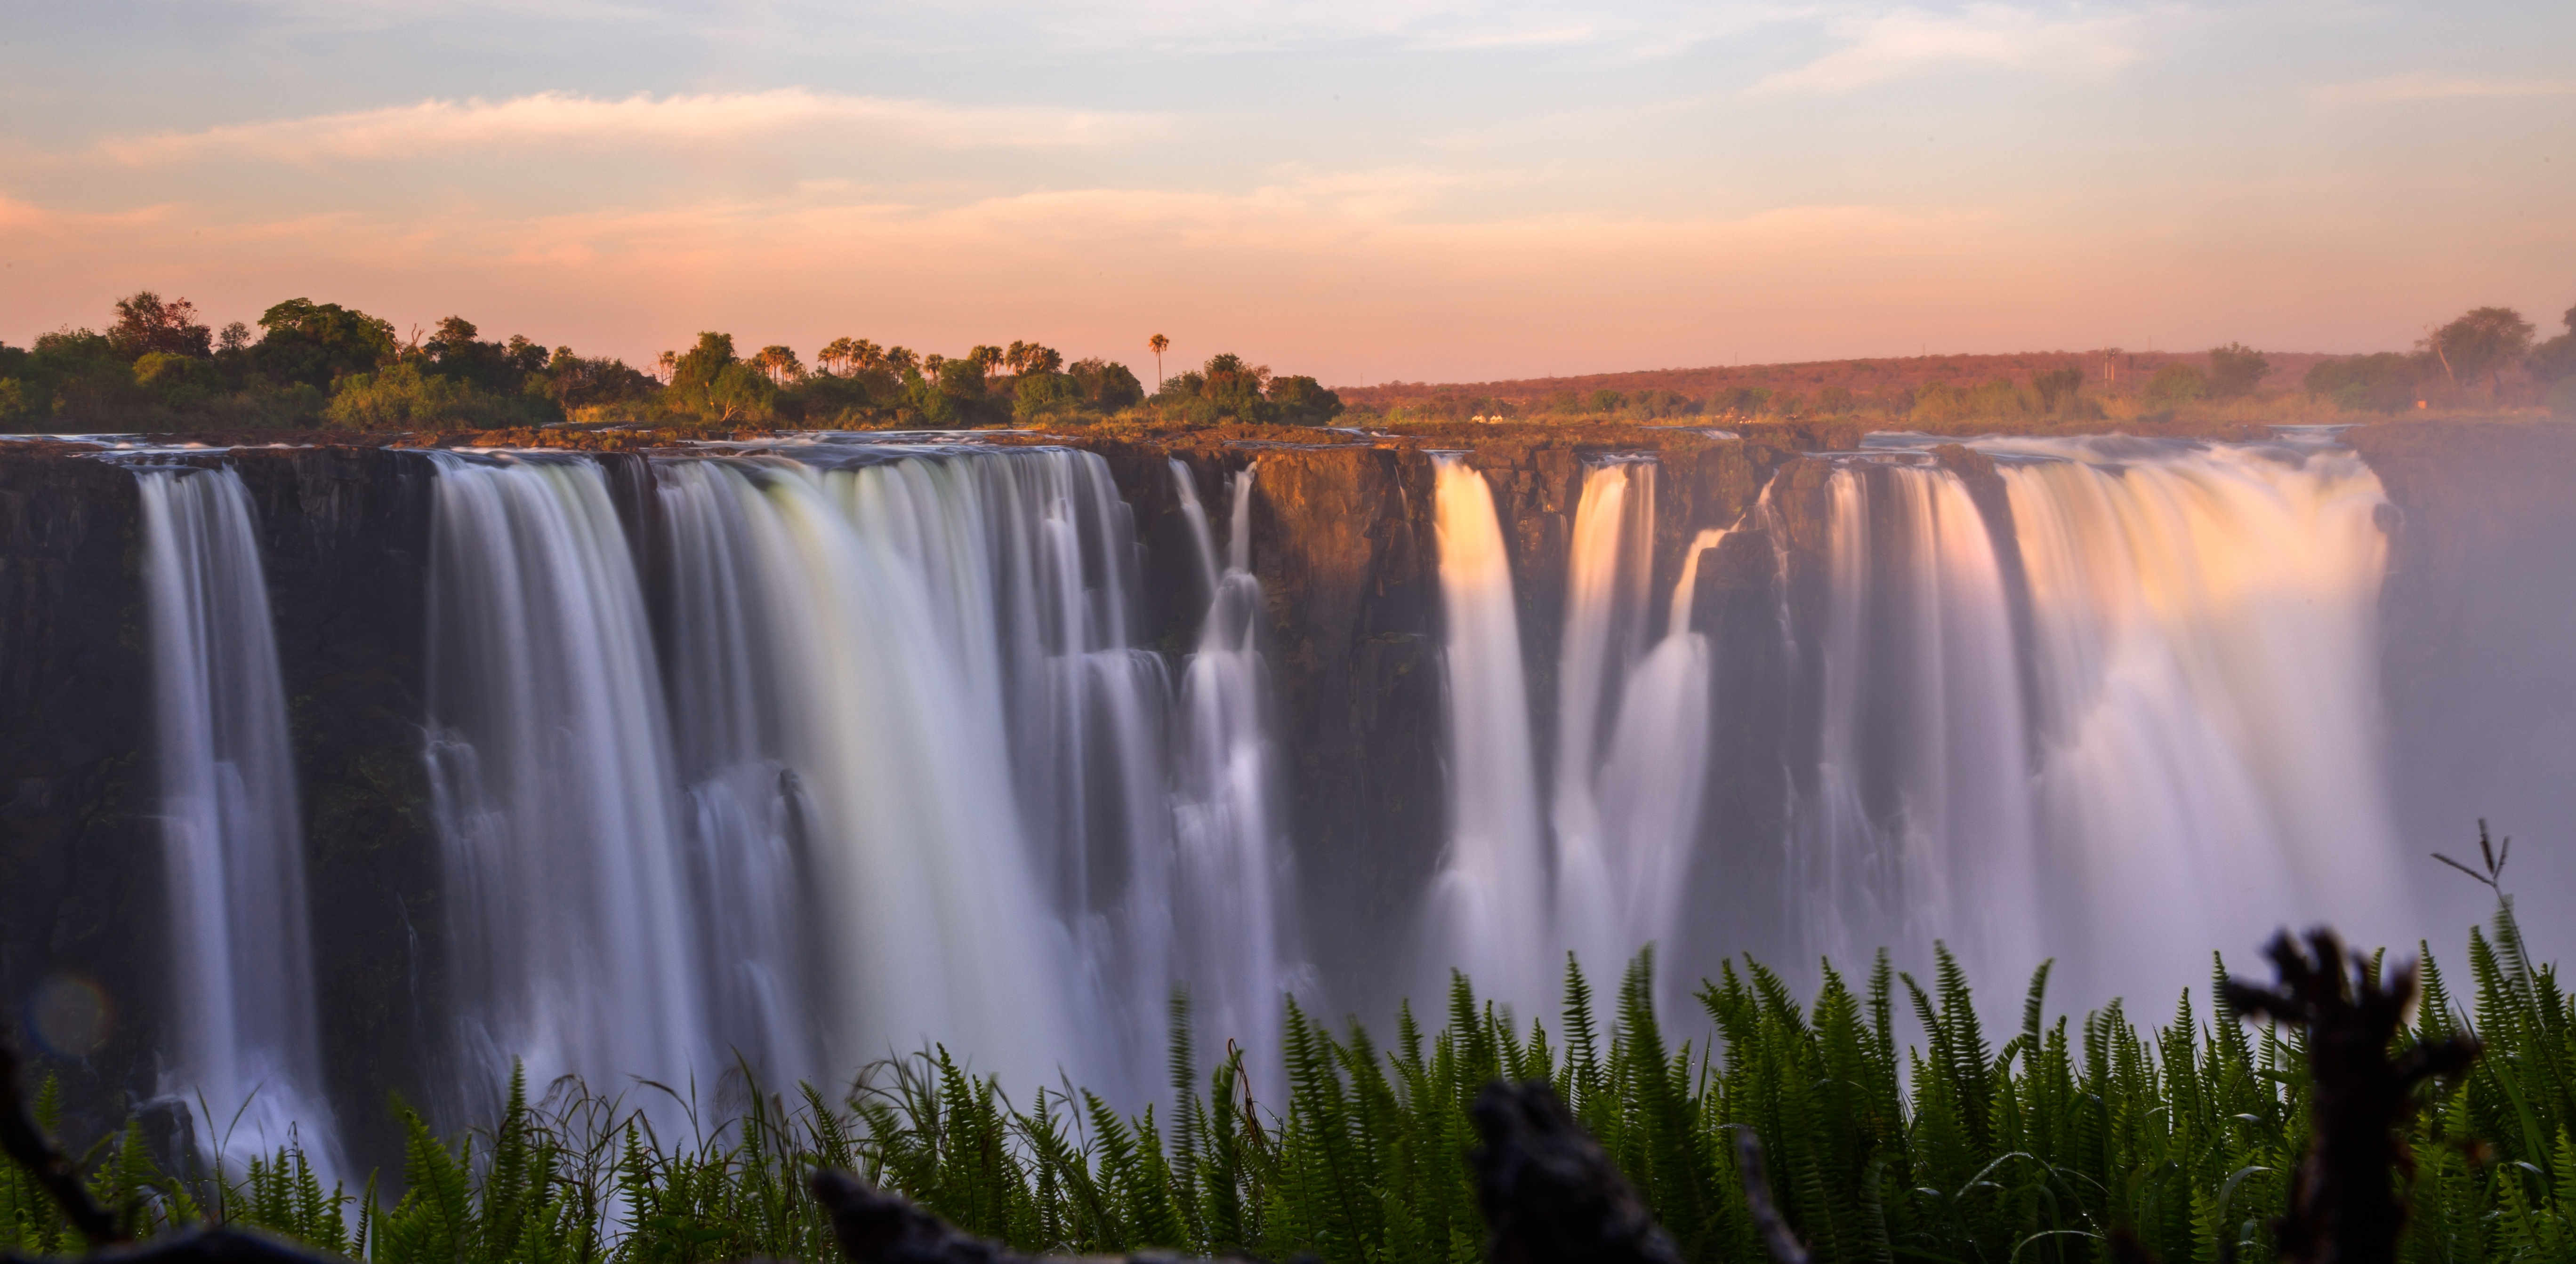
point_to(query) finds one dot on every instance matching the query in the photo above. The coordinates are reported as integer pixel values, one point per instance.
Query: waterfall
(1236, 940)
(1924, 825)
(232, 839)
(1606, 877)
(573, 941)
(2195, 758)
(1605, 605)
(2206, 652)
(1489, 912)
(1651, 784)
(945, 681)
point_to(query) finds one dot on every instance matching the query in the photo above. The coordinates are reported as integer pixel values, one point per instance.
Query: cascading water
(927, 626)
(1607, 877)
(232, 837)
(912, 783)
(2205, 627)
(1605, 605)
(1922, 827)
(1651, 784)
(1489, 912)
(1237, 937)
(2199, 760)
(573, 943)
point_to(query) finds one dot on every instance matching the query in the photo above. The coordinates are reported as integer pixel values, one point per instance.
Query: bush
(1046, 395)
(1304, 401)
(2562, 397)
(2235, 369)
(2175, 384)
(402, 397)
(2372, 383)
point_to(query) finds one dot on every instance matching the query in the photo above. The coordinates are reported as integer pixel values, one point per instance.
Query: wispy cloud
(558, 118)
(2424, 86)
(1911, 41)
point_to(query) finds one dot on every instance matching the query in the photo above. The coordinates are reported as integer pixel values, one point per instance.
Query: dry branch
(2344, 1209)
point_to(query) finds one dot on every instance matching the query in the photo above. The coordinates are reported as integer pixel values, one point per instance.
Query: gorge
(342, 771)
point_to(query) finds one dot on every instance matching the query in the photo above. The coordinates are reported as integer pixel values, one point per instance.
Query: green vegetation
(319, 365)
(1954, 1149)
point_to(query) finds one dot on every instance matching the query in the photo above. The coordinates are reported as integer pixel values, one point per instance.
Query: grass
(2026, 1145)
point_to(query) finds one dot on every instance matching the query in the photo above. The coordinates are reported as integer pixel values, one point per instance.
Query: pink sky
(1528, 197)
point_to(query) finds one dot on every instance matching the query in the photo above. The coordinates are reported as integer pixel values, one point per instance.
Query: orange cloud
(557, 118)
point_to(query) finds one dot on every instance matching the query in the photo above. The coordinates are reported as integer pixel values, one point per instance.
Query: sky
(1364, 190)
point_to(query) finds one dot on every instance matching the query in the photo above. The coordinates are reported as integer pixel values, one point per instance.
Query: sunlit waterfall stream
(1606, 876)
(1490, 903)
(241, 982)
(2200, 761)
(2206, 649)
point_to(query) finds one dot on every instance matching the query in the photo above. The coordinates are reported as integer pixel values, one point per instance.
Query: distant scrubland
(310, 366)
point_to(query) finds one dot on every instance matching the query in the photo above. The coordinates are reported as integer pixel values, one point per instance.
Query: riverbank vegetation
(310, 366)
(1899, 1126)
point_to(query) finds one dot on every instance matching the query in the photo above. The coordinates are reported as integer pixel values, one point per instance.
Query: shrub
(1304, 401)
(2235, 369)
(2376, 383)
(403, 397)
(2175, 384)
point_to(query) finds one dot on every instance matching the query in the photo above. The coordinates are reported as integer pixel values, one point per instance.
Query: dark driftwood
(2344, 1209)
(1548, 1190)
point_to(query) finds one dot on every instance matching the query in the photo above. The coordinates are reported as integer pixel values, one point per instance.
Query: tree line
(306, 365)
(2490, 356)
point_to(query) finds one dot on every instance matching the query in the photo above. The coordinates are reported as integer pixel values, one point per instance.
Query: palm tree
(1157, 343)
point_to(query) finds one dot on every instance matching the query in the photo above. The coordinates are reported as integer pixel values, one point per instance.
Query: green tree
(145, 324)
(2487, 340)
(573, 381)
(1108, 386)
(2235, 369)
(17, 404)
(1303, 400)
(178, 380)
(317, 343)
(741, 392)
(693, 372)
(2555, 359)
(779, 363)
